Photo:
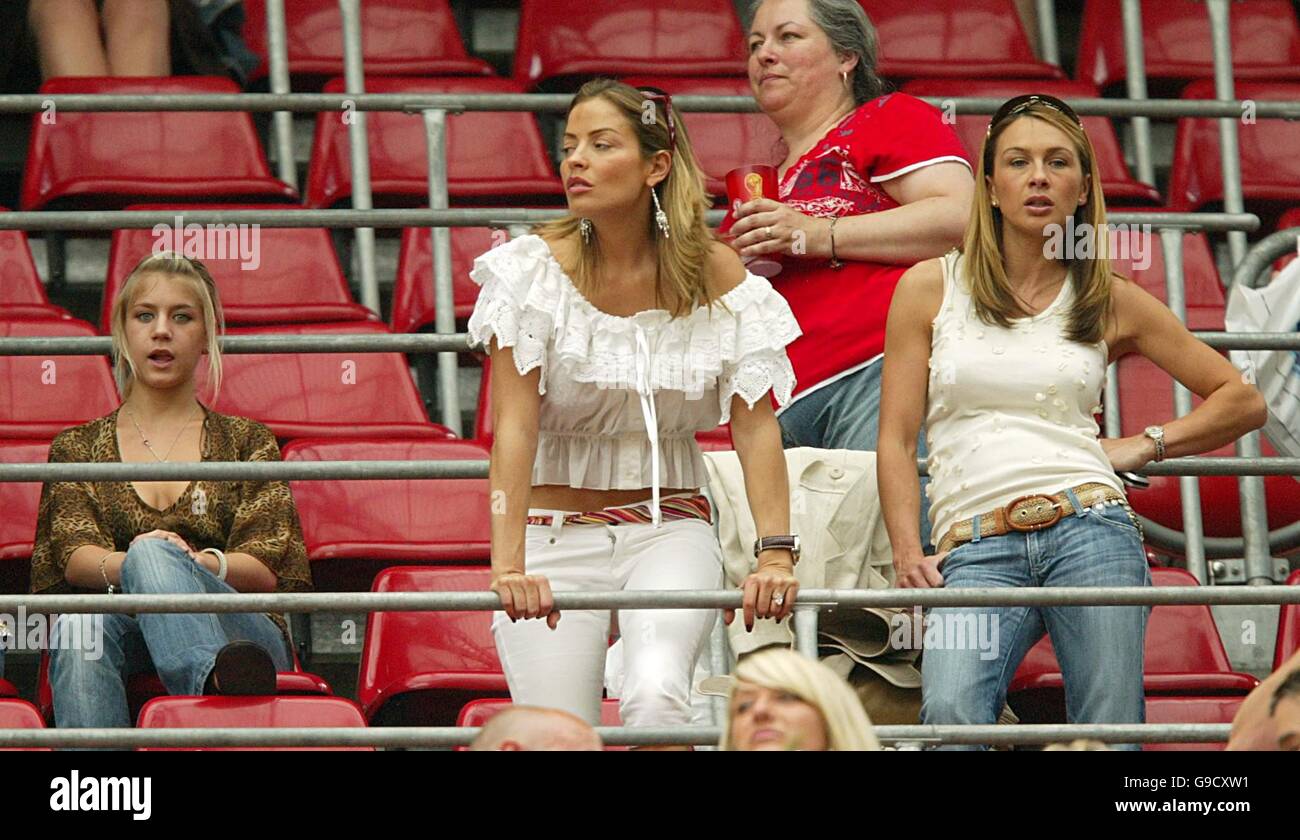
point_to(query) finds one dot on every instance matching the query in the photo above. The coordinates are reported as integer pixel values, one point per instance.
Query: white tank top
(1009, 412)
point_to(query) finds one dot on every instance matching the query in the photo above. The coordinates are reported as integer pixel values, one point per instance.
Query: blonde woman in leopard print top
(165, 536)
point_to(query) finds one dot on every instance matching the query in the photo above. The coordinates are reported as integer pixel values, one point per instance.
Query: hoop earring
(584, 227)
(661, 218)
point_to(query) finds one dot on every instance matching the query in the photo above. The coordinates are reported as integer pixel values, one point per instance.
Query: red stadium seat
(110, 160)
(7, 689)
(19, 714)
(1270, 173)
(21, 293)
(421, 668)
(1290, 219)
(722, 142)
(354, 528)
(1288, 628)
(623, 37)
(1177, 44)
(971, 40)
(288, 275)
(19, 501)
(1184, 658)
(498, 156)
(1118, 184)
(324, 394)
(398, 38)
(479, 712)
(146, 685)
(413, 306)
(248, 713)
(42, 396)
(1190, 710)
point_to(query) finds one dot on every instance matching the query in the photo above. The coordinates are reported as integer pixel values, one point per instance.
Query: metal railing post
(355, 82)
(1221, 36)
(1047, 40)
(805, 629)
(435, 130)
(1189, 487)
(277, 50)
(719, 665)
(1136, 80)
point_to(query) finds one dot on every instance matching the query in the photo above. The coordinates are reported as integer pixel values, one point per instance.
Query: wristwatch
(790, 541)
(1157, 433)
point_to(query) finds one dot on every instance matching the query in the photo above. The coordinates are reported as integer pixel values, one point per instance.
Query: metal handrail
(457, 736)
(413, 103)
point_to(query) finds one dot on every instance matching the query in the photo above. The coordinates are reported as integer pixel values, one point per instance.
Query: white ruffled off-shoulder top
(624, 396)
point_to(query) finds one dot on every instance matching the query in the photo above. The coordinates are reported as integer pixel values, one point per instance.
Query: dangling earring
(661, 218)
(584, 227)
(844, 77)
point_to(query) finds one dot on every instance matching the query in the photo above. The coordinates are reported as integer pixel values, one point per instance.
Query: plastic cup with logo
(744, 184)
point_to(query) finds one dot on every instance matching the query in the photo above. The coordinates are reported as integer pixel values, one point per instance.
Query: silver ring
(778, 599)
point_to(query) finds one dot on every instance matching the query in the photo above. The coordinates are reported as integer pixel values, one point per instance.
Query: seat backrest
(400, 645)
(250, 713)
(983, 38)
(621, 37)
(1176, 41)
(445, 520)
(398, 37)
(413, 304)
(20, 284)
(479, 712)
(112, 159)
(399, 163)
(1117, 182)
(264, 275)
(19, 714)
(721, 142)
(19, 500)
(42, 396)
(1269, 171)
(323, 394)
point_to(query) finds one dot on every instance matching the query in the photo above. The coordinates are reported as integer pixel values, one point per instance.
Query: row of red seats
(918, 38)
(110, 160)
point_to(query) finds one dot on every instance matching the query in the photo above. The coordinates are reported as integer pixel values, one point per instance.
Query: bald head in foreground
(520, 728)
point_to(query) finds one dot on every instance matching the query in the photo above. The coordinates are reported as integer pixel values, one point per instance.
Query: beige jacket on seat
(835, 510)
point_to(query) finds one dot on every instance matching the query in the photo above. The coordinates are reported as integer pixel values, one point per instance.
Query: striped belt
(674, 507)
(1029, 513)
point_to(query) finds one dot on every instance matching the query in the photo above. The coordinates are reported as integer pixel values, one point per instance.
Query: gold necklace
(145, 440)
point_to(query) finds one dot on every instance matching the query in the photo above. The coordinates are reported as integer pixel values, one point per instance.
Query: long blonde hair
(982, 247)
(194, 274)
(681, 280)
(847, 726)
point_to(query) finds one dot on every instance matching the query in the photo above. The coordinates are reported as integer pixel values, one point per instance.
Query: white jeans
(564, 668)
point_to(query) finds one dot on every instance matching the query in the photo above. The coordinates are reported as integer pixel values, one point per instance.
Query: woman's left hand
(170, 536)
(764, 226)
(1128, 454)
(767, 593)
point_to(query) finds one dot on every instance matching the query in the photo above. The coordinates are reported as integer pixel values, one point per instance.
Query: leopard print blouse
(248, 517)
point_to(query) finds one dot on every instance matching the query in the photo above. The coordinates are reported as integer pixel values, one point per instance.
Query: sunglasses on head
(662, 97)
(1019, 104)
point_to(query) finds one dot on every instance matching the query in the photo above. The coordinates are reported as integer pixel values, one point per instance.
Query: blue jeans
(846, 415)
(1100, 649)
(90, 690)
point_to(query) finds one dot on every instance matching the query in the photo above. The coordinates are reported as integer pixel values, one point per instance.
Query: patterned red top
(842, 313)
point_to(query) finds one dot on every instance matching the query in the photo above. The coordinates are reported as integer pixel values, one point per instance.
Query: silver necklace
(145, 440)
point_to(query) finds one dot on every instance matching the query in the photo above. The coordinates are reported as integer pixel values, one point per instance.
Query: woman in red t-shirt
(870, 184)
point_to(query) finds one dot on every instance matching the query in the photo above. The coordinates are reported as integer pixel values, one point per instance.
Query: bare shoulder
(723, 270)
(562, 247)
(920, 290)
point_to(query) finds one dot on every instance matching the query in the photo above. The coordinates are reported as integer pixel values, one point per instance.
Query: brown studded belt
(1029, 513)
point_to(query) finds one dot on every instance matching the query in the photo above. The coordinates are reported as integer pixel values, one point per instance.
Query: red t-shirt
(842, 312)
